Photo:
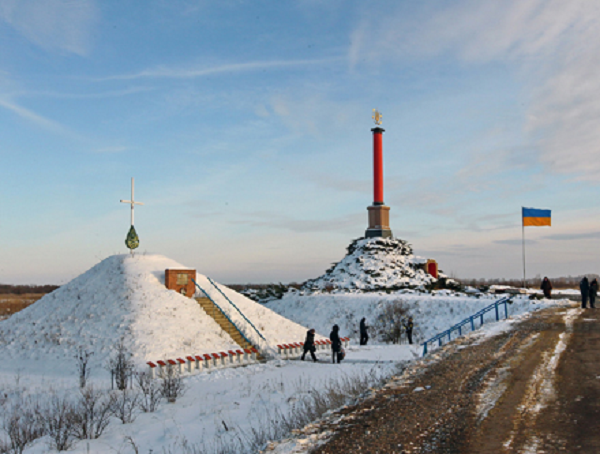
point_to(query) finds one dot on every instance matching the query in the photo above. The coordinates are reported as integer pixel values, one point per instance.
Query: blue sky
(247, 128)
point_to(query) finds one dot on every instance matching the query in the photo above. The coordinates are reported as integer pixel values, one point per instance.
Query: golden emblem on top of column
(377, 117)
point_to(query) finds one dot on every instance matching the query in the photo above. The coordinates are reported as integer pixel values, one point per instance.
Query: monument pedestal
(181, 281)
(379, 222)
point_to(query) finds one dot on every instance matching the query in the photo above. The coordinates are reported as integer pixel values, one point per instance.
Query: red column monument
(379, 214)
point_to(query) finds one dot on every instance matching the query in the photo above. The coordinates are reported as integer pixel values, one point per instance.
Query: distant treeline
(23, 289)
(557, 282)
(240, 287)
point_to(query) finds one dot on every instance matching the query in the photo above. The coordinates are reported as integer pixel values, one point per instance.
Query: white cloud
(552, 45)
(52, 24)
(32, 116)
(167, 72)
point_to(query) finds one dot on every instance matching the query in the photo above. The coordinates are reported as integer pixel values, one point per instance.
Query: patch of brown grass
(11, 303)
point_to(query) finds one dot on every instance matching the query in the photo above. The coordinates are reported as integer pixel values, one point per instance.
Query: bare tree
(124, 405)
(22, 425)
(389, 321)
(121, 365)
(83, 358)
(92, 413)
(58, 418)
(171, 384)
(151, 392)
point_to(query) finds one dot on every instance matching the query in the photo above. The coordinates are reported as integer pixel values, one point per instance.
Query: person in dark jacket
(408, 326)
(364, 335)
(593, 293)
(584, 286)
(336, 343)
(309, 345)
(546, 287)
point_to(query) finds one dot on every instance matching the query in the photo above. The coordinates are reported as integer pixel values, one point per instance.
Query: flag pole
(523, 236)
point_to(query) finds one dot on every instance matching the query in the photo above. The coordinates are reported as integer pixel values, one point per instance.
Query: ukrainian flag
(536, 218)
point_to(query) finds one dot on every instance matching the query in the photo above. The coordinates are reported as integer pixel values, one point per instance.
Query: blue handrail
(231, 302)
(471, 320)
(222, 311)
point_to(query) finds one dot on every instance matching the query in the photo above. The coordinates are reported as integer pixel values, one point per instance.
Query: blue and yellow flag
(536, 218)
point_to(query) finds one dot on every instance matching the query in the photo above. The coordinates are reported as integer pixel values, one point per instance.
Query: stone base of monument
(379, 222)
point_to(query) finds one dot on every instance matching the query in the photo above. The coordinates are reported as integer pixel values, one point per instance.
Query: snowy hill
(125, 297)
(374, 264)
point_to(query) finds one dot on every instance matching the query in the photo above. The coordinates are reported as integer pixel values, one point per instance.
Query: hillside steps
(213, 311)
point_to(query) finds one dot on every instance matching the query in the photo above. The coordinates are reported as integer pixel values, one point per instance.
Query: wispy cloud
(33, 117)
(514, 242)
(279, 221)
(553, 47)
(97, 95)
(165, 72)
(65, 25)
(573, 236)
(313, 113)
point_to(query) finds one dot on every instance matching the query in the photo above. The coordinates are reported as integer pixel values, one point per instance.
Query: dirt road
(535, 389)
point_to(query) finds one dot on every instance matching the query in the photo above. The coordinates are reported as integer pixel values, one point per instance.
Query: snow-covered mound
(373, 264)
(124, 297)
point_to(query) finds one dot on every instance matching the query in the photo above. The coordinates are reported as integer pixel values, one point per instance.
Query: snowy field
(234, 410)
(431, 314)
(225, 408)
(217, 409)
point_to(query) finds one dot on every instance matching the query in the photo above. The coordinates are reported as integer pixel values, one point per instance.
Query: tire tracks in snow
(541, 392)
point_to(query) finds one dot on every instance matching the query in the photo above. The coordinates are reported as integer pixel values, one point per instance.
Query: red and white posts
(379, 214)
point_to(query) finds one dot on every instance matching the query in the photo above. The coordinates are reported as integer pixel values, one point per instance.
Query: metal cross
(132, 201)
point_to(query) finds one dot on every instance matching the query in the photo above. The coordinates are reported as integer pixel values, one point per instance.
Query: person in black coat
(309, 345)
(364, 335)
(547, 288)
(584, 286)
(408, 326)
(336, 343)
(593, 293)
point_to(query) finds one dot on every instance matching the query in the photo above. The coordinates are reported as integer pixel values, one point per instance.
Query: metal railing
(469, 321)
(222, 312)
(236, 308)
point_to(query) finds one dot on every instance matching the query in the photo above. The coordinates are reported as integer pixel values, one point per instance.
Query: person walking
(364, 335)
(408, 326)
(584, 286)
(309, 345)
(593, 293)
(336, 343)
(546, 287)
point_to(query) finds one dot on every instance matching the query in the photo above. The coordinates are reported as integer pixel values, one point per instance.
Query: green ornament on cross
(132, 241)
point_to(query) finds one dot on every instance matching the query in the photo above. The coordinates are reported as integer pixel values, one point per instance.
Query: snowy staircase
(213, 311)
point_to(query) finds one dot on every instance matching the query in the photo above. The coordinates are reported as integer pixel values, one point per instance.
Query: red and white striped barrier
(292, 350)
(207, 361)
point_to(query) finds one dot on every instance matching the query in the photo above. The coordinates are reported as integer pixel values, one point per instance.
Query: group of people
(336, 345)
(589, 291)
(337, 351)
